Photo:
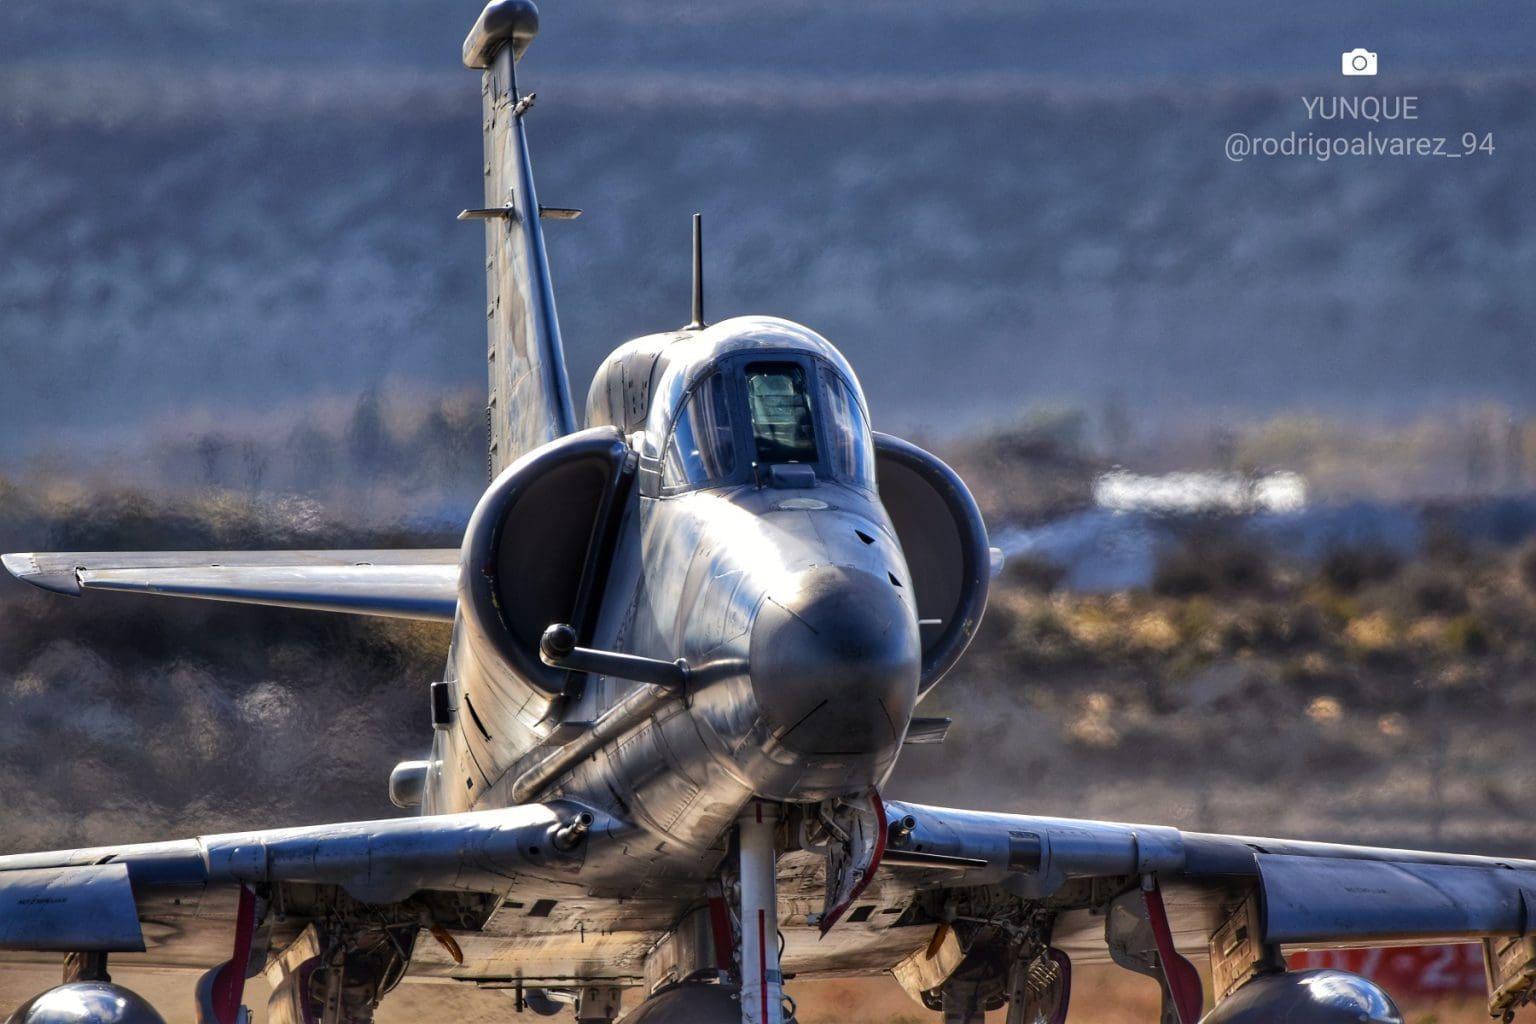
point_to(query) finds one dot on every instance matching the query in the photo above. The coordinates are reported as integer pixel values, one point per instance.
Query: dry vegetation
(1392, 684)
(1453, 617)
(1355, 625)
(1367, 695)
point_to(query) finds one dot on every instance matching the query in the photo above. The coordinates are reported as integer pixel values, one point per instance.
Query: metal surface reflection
(689, 639)
(86, 1002)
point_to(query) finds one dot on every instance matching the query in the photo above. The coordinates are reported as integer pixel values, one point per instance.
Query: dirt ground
(1100, 996)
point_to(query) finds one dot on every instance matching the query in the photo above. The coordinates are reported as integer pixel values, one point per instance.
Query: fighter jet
(693, 625)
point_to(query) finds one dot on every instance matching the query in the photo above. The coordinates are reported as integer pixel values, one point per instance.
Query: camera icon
(1358, 61)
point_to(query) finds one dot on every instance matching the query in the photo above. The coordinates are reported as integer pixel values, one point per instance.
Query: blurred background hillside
(229, 207)
(1259, 438)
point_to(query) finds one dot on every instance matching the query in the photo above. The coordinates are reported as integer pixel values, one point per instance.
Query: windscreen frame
(735, 403)
(733, 368)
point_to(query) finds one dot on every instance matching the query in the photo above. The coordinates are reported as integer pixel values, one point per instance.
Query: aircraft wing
(1223, 897)
(177, 904)
(1313, 894)
(518, 904)
(419, 584)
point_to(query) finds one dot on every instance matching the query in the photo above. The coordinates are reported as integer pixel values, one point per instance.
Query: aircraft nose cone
(835, 663)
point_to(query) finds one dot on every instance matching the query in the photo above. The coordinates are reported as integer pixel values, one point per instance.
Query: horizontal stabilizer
(419, 584)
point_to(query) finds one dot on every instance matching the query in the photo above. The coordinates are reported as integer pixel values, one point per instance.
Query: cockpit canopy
(787, 418)
(749, 400)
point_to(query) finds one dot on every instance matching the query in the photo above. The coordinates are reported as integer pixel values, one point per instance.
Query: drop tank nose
(835, 661)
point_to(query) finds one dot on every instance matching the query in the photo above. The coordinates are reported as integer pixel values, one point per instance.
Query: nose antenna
(698, 323)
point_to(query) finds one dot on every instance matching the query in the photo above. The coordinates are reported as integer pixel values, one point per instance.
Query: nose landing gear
(762, 980)
(722, 963)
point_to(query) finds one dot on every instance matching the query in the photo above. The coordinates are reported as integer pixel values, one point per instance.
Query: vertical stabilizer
(530, 397)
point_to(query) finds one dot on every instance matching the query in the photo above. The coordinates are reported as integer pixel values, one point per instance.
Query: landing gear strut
(1140, 939)
(762, 982)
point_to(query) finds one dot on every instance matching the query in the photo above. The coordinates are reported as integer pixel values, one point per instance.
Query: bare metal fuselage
(793, 611)
(802, 642)
(789, 598)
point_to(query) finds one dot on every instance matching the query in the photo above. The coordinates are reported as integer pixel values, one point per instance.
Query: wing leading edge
(400, 584)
